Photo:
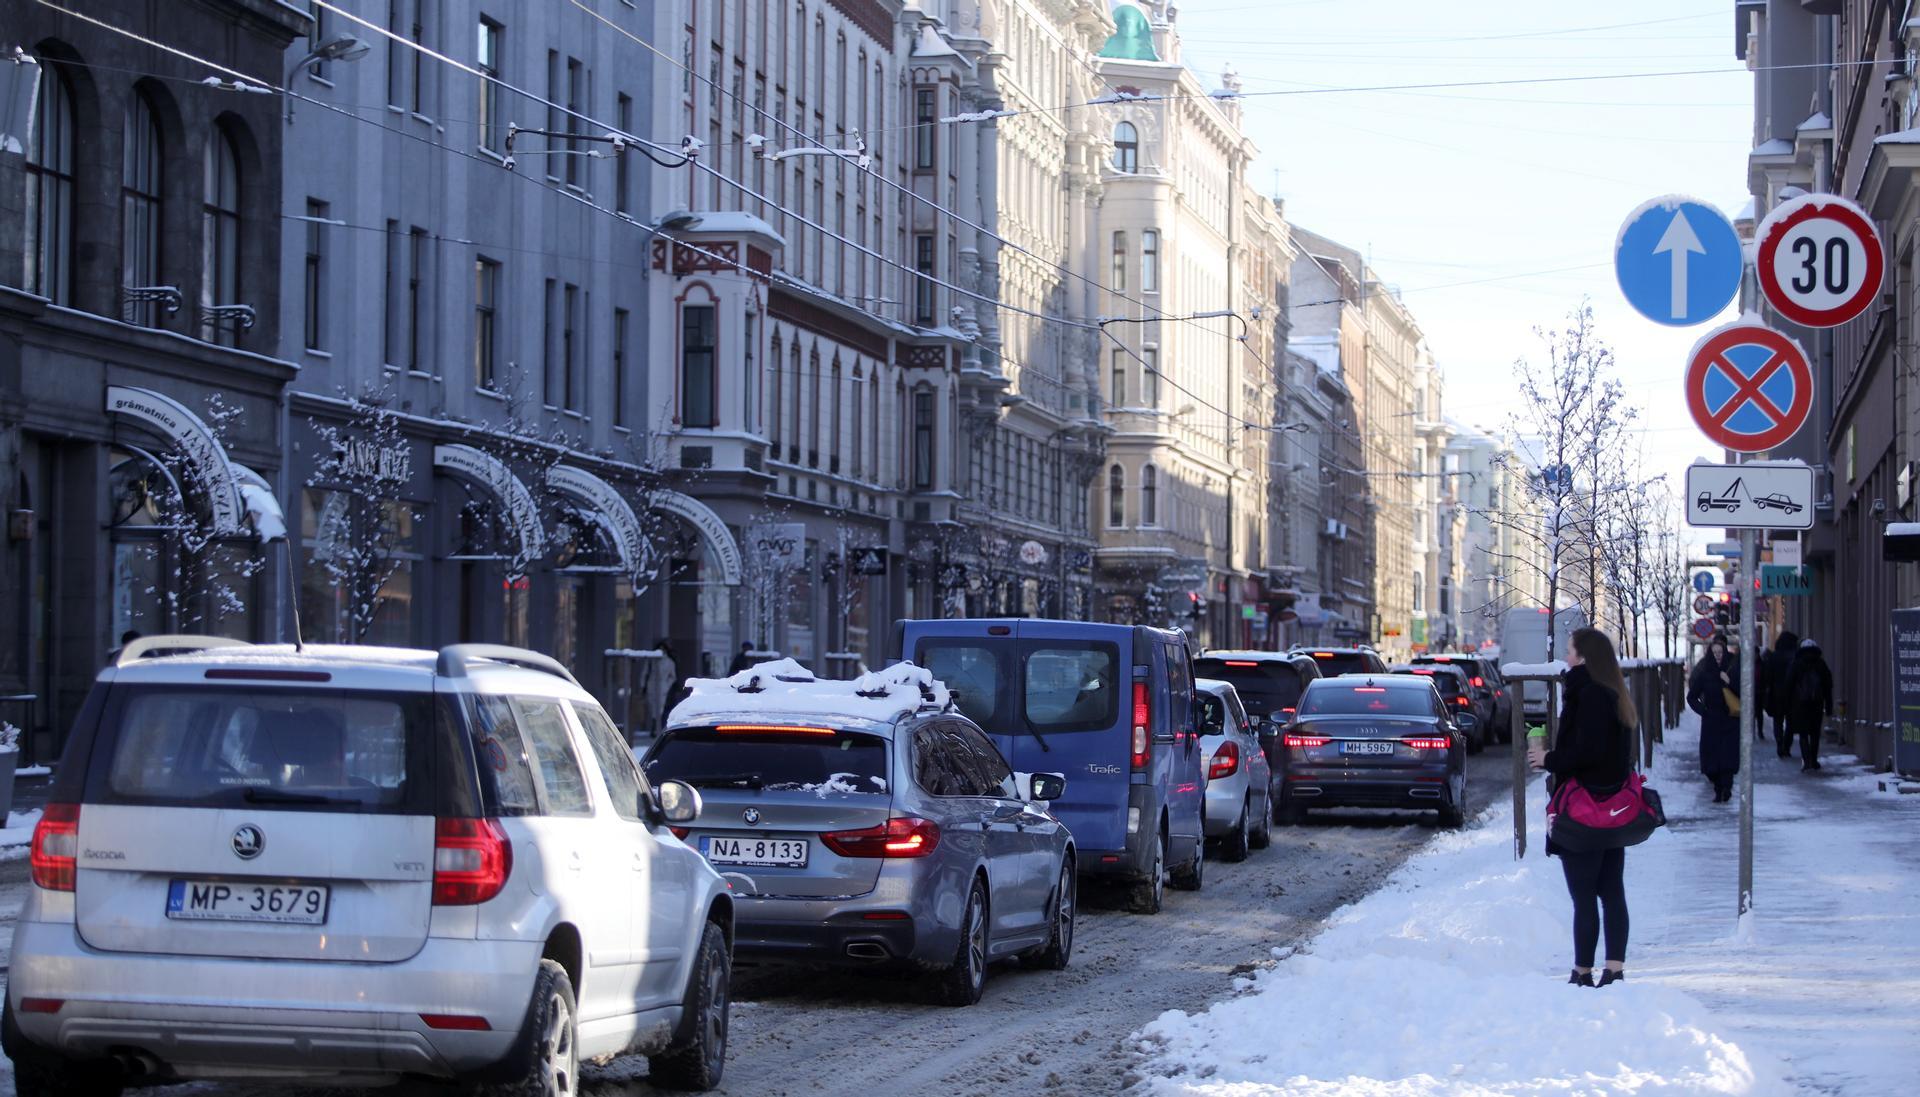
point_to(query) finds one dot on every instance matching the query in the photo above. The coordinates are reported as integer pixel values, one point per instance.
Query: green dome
(1133, 41)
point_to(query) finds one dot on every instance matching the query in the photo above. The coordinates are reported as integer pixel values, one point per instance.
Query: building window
(1119, 263)
(1126, 148)
(1116, 498)
(750, 370)
(925, 131)
(493, 116)
(570, 347)
(220, 233)
(390, 295)
(1149, 496)
(697, 339)
(417, 260)
(923, 441)
(576, 105)
(140, 208)
(622, 166)
(859, 422)
(549, 375)
(833, 420)
(1150, 377)
(49, 220)
(1117, 391)
(406, 54)
(619, 367)
(793, 438)
(778, 386)
(555, 123)
(923, 285)
(315, 295)
(322, 26)
(1419, 592)
(1446, 596)
(1150, 261)
(486, 335)
(813, 409)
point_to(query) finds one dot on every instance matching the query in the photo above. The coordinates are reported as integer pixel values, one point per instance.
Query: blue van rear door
(1076, 693)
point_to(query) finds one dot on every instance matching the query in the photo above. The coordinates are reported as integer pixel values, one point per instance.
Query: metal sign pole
(1749, 569)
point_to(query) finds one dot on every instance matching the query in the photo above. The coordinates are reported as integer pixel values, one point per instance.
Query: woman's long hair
(1603, 666)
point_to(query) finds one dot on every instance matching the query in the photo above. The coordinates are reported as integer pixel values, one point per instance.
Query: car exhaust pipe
(866, 950)
(137, 1065)
(1425, 793)
(1304, 790)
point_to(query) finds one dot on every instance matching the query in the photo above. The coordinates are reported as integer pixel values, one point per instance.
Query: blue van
(1110, 706)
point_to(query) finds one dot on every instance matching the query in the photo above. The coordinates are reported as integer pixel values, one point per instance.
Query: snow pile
(17, 835)
(1450, 980)
(842, 783)
(784, 686)
(1553, 669)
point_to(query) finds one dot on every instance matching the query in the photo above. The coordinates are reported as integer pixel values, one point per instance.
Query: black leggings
(1597, 880)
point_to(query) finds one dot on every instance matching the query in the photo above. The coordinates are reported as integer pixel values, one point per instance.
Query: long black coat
(1806, 716)
(1593, 747)
(1719, 728)
(1770, 678)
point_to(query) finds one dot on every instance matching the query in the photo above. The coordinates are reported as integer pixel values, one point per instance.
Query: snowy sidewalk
(1451, 978)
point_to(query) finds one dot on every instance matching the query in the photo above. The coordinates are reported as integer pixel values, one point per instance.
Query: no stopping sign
(1819, 260)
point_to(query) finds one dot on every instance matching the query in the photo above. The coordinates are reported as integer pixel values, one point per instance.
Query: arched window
(859, 396)
(1126, 148)
(140, 210)
(1149, 496)
(1116, 498)
(220, 232)
(833, 419)
(49, 243)
(813, 409)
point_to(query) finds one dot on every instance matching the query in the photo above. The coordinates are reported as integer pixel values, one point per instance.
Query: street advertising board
(1777, 579)
(1678, 261)
(1788, 553)
(1756, 495)
(1906, 691)
(1818, 260)
(1749, 388)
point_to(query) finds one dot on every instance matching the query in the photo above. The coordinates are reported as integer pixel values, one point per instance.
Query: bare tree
(360, 526)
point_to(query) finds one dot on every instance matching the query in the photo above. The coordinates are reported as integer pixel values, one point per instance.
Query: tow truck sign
(1757, 495)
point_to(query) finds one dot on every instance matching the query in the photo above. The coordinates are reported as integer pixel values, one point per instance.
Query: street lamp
(341, 47)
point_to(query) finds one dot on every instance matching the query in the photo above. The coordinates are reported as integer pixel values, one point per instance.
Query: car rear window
(818, 760)
(1361, 699)
(1265, 686)
(979, 674)
(1067, 685)
(267, 748)
(1338, 663)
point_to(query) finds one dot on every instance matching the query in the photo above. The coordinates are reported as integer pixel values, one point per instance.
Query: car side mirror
(1466, 721)
(1046, 786)
(678, 801)
(1269, 728)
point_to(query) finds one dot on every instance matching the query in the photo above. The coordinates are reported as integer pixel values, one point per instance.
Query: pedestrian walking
(1809, 689)
(1595, 748)
(1771, 684)
(741, 661)
(663, 681)
(1713, 691)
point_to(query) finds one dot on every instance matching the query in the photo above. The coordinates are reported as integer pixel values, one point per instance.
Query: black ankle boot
(1612, 976)
(1581, 978)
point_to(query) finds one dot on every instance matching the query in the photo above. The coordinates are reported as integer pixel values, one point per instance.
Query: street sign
(1704, 581)
(1749, 387)
(1756, 495)
(1787, 552)
(1818, 259)
(1702, 604)
(1678, 261)
(1703, 627)
(1791, 581)
(1724, 548)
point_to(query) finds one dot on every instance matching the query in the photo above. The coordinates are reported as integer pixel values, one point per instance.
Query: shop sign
(712, 530)
(522, 514)
(205, 458)
(868, 561)
(369, 462)
(1033, 553)
(783, 545)
(1906, 691)
(606, 504)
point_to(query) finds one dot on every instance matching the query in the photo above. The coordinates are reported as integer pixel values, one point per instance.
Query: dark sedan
(1385, 741)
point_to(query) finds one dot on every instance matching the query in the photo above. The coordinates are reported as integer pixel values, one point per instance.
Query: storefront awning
(203, 457)
(610, 509)
(719, 539)
(522, 514)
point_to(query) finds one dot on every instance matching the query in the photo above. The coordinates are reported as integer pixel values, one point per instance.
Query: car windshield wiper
(726, 780)
(1038, 738)
(262, 795)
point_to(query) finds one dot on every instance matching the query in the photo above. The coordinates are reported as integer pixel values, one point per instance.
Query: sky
(1518, 190)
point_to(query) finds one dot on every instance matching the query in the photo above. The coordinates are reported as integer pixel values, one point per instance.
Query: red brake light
(1323, 655)
(1289, 710)
(456, 1022)
(55, 853)
(898, 837)
(472, 859)
(771, 729)
(1142, 721)
(1477, 682)
(1307, 740)
(1369, 689)
(681, 832)
(1462, 702)
(1428, 673)
(1428, 744)
(1226, 761)
(1239, 663)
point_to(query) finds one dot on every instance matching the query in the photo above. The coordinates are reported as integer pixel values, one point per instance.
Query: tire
(698, 1055)
(1263, 835)
(40, 1072)
(546, 1059)
(1066, 907)
(1234, 846)
(1194, 876)
(1454, 815)
(1149, 895)
(961, 983)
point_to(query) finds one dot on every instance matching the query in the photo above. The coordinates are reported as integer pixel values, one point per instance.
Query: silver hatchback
(869, 823)
(1239, 778)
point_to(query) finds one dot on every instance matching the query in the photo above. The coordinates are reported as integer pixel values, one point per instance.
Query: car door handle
(574, 863)
(639, 861)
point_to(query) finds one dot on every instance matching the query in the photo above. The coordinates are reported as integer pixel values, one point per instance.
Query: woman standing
(1595, 748)
(1713, 680)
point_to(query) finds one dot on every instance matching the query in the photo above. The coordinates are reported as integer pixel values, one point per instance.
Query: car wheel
(1263, 834)
(1234, 846)
(38, 1072)
(1193, 876)
(1454, 815)
(1066, 906)
(1149, 894)
(697, 1057)
(546, 1059)
(966, 977)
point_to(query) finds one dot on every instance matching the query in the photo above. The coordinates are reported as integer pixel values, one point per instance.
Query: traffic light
(1195, 607)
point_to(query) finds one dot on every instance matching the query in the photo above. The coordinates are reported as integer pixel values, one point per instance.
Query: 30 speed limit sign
(1819, 260)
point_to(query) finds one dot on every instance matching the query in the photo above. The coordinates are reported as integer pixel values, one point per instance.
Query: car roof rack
(159, 647)
(455, 658)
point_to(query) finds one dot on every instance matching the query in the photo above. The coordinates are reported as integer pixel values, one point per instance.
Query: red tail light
(1462, 702)
(1226, 761)
(1142, 723)
(41, 1005)
(55, 853)
(472, 859)
(681, 832)
(900, 837)
(1307, 740)
(1477, 682)
(456, 1022)
(1428, 744)
(1289, 710)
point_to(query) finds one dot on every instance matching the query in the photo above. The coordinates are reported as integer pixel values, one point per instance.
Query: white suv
(352, 864)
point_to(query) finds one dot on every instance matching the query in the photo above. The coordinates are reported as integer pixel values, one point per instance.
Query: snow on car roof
(785, 687)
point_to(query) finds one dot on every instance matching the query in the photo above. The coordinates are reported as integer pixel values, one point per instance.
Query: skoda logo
(248, 842)
(752, 816)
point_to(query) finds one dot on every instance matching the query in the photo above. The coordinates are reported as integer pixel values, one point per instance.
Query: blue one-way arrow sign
(1678, 261)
